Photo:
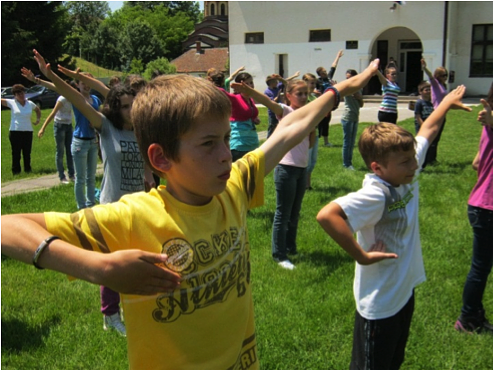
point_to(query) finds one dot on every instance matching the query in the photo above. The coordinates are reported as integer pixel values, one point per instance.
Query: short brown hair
(18, 88)
(168, 107)
(308, 76)
(378, 141)
(136, 82)
(423, 85)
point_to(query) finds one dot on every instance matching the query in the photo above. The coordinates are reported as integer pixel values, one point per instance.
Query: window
(352, 44)
(223, 10)
(213, 10)
(254, 38)
(481, 53)
(319, 35)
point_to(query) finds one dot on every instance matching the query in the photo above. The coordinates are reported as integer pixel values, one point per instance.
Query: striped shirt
(390, 97)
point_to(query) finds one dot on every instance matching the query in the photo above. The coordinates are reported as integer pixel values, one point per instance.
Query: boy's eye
(208, 143)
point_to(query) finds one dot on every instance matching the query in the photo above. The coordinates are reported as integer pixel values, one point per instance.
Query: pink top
(481, 195)
(438, 92)
(298, 156)
(243, 109)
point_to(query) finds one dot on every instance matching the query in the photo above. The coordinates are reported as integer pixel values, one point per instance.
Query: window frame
(321, 38)
(484, 43)
(258, 38)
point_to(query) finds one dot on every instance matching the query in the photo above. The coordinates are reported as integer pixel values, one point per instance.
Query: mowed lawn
(304, 318)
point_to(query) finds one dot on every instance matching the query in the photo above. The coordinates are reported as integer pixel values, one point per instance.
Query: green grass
(304, 318)
(95, 70)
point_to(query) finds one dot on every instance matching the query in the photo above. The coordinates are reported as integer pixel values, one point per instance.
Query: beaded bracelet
(336, 95)
(42, 246)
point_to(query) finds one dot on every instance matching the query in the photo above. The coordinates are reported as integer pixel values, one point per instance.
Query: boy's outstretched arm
(127, 271)
(430, 127)
(293, 128)
(332, 219)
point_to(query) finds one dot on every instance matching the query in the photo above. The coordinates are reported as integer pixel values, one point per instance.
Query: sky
(115, 5)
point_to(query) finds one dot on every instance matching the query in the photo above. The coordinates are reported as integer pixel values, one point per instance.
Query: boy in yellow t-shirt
(179, 254)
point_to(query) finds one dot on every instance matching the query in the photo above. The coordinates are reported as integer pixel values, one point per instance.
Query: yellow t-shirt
(208, 323)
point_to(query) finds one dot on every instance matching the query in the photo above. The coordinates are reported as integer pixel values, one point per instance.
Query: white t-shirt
(20, 119)
(379, 211)
(64, 114)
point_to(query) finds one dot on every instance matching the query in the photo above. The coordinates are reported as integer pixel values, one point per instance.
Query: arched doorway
(404, 46)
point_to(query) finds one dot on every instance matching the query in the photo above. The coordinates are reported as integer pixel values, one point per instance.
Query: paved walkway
(34, 184)
(367, 114)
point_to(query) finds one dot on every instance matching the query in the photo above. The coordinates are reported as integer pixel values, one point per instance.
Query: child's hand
(28, 74)
(423, 64)
(135, 272)
(454, 99)
(485, 116)
(43, 66)
(69, 73)
(376, 253)
(241, 88)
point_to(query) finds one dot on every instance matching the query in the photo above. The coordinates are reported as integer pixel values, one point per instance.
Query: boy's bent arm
(332, 219)
(128, 271)
(430, 127)
(293, 128)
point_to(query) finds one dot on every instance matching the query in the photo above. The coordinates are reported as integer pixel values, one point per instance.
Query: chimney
(198, 47)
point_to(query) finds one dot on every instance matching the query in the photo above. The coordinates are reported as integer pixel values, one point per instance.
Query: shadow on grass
(448, 168)
(18, 336)
(331, 261)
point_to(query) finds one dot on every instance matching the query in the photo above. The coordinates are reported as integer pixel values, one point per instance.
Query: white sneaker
(115, 322)
(287, 264)
(328, 145)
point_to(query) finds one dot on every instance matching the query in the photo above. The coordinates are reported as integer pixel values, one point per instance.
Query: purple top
(481, 195)
(438, 92)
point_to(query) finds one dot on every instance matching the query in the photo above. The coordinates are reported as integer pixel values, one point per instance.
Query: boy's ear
(376, 168)
(158, 159)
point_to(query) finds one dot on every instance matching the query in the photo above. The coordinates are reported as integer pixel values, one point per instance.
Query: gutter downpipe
(445, 31)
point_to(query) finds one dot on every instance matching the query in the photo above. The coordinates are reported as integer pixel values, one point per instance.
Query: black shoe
(479, 325)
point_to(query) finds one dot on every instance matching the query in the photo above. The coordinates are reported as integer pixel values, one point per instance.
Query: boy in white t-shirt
(384, 213)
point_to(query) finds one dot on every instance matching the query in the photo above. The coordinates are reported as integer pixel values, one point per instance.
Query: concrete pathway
(367, 114)
(35, 184)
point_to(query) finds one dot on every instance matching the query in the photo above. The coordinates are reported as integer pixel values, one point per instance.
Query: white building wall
(286, 27)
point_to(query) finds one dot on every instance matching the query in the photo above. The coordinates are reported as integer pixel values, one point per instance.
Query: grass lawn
(304, 318)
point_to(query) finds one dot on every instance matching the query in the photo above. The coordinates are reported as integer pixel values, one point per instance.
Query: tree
(139, 41)
(85, 17)
(27, 25)
(160, 65)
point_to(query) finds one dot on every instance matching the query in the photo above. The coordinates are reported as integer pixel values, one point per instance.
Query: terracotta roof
(192, 61)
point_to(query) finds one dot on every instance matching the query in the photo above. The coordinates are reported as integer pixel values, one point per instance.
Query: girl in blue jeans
(472, 317)
(290, 175)
(124, 170)
(349, 122)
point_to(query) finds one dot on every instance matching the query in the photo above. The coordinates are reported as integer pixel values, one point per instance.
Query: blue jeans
(481, 222)
(313, 152)
(290, 183)
(272, 124)
(63, 140)
(85, 154)
(350, 129)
